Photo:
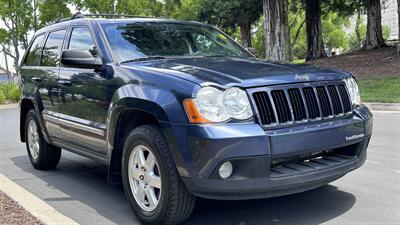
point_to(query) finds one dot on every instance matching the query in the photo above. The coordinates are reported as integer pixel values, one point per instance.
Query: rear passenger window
(32, 59)
(82, 39)
(52, 49)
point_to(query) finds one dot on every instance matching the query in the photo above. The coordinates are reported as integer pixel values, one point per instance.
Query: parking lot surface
(78, 188)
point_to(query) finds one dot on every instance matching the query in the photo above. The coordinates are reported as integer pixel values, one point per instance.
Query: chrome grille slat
(337, 106)
(324, 101)
(312, 103)
(282, 106)
(299, 111)
(345, 98)
(300, 103)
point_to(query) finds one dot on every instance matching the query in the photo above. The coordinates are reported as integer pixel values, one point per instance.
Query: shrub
(2, 98)
(14, 94)
(10, 91)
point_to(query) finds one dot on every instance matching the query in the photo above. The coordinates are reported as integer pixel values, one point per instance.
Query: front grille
(279, 105)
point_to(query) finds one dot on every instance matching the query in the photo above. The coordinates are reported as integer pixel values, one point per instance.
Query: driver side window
(81, 39)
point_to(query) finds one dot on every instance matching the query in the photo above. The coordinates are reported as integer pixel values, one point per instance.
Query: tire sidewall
(142, 138)
(32, 116)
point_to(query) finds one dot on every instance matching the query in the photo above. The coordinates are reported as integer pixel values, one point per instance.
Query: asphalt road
(78, 188)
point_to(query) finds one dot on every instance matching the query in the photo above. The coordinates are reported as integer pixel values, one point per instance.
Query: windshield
(137, 40)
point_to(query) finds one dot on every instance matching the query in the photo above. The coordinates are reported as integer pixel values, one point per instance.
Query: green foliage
(354, 42)
(15, 94)
(188, 9)
(2, 98)
(231, 14)
(95, 6)
(297, 28)
(16, 16)
(10, 91)
(258, 38)
(386, 32)
(227, 14)
(51, 10)
(333, 33)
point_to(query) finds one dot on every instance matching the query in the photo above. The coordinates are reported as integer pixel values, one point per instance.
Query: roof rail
(79, 15)
(75, 16)
(103, 15)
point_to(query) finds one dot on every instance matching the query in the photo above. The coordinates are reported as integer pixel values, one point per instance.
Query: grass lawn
(298, 61)
(384, 90)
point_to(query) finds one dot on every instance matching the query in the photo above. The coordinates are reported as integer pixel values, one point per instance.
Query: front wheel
(151, 181)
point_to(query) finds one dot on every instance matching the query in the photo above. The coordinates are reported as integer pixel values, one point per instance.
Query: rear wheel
(42, 155)
(151, 181)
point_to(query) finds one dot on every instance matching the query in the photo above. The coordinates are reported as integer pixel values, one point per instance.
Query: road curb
(9, 106)
(35, 206)
(387, 107)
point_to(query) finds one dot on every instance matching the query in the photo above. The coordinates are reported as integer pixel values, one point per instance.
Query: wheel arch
(133, 106)
(26, 105)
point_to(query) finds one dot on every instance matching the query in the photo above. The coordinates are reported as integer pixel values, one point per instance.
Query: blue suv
(179, 109)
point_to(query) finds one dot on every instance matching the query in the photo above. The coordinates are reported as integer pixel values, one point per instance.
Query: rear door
(83, 99)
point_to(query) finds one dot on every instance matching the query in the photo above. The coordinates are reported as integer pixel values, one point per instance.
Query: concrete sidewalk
(375, 106)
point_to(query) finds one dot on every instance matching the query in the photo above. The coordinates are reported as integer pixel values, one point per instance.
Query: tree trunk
(276, 26)
(358, 24)
(245, 32)
(374, 37)
(15, 43)
(315, 42)
(6, 62)
(114, 6)
(398, 15)
(35, 16)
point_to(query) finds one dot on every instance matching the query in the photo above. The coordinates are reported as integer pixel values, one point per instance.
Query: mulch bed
(366, 63)
(11, 213)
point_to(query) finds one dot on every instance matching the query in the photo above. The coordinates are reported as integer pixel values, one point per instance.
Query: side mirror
(80, 59)
(253, 51)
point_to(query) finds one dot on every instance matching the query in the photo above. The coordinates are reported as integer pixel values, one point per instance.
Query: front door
(83, 99)
(48, 71)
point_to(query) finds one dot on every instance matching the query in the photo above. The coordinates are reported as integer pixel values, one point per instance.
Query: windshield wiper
(148, 58)
(216, 55)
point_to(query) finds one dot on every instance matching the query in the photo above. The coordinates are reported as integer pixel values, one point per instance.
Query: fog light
(226, 170)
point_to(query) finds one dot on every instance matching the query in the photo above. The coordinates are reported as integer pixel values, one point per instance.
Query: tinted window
(32, 59)
(82, 39)
(52, 48)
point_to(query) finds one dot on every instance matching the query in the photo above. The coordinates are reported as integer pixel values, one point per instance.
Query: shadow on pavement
(308, 208)
(84, 181)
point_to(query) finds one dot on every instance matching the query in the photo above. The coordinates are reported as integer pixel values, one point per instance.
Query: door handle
(65, 83)
(36, 79)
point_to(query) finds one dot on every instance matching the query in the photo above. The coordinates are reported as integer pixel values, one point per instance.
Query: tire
(44, 156)
(175, 202)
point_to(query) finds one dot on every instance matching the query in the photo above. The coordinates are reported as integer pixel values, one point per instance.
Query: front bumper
(263, 159)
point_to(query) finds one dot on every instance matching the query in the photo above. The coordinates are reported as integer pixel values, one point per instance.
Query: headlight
(354, 92)
(214, 105)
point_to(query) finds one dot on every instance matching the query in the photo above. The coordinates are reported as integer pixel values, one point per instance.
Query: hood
(239, 72)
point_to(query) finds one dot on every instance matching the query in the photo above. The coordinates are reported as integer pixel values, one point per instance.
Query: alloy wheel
(33, 139)
(144, 178)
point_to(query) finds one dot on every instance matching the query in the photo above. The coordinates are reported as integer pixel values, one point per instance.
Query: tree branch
(298, 33)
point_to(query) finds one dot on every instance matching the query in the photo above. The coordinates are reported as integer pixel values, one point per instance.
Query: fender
(162, 104)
